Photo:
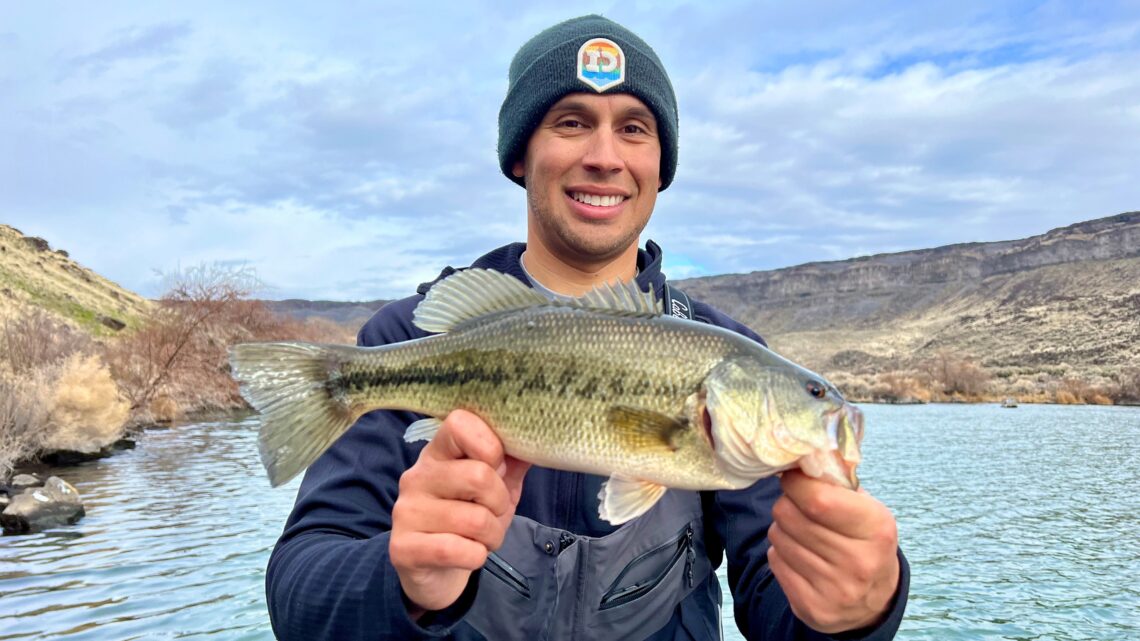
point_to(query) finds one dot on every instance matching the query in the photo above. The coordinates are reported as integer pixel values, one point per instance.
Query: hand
(834, 552)
(454, 507)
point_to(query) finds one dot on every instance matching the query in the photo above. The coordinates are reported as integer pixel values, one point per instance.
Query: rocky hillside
(1060, 305)
(33, 275)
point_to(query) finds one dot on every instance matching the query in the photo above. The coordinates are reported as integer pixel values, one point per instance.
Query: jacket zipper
(616, 596)
(497, 567)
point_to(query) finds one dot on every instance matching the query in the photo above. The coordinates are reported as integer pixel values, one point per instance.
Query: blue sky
(347, 150)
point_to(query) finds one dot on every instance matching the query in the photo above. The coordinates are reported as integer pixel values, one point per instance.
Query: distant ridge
(1061, 304)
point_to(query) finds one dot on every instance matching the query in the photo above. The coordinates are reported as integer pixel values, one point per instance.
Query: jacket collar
(506, 259)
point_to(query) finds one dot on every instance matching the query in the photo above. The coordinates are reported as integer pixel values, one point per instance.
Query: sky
(346, 151)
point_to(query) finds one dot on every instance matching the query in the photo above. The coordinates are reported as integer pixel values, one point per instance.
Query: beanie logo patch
(601, 64)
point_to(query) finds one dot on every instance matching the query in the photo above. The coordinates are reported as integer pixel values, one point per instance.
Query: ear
(518, 169)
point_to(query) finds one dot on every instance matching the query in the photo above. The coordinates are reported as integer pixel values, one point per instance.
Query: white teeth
(596, 200)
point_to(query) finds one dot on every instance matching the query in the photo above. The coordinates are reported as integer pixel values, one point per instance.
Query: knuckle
(818, 505)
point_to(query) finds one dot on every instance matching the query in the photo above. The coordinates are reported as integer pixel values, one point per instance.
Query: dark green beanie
(546, 68)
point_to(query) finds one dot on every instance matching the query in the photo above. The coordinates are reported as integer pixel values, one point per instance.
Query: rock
(21, 481)
(123, 444)
(63, 253)
(1009, 402)
(38, 244)
(39, 508)
(112, 323)
(4, 501)
(67, 458)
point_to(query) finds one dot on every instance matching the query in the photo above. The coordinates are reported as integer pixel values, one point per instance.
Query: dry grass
(87, 413)
(23, 415)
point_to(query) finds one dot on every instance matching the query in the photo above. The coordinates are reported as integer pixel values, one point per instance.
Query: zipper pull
(690, 557)
(565, 540)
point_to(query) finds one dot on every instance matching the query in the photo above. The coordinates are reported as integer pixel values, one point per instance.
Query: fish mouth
(838, 461)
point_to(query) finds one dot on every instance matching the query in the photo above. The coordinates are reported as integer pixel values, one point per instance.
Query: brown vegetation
(60, 390)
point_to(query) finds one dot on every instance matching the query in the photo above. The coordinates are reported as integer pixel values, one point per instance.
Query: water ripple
(1019, 524)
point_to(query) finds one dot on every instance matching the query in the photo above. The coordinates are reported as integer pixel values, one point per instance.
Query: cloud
(132, 43)
(351, 153)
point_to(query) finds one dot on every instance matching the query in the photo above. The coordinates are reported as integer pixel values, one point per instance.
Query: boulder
(39, 508)
(21, 481)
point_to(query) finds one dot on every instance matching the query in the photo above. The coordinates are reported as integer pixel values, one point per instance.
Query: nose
(602, 153)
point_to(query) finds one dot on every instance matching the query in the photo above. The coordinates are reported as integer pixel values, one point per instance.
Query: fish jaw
(837, 461)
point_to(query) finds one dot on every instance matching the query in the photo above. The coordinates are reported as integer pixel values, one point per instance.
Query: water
(1018, 524)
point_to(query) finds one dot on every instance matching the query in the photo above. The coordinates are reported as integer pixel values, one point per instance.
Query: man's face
(592, 170)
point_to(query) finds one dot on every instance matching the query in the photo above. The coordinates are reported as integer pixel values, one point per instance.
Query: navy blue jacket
(329, 576)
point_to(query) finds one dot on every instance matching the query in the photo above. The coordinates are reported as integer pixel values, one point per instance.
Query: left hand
(834, 552)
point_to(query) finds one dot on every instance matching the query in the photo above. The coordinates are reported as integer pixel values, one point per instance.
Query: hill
(1056, 309)
(32, 275)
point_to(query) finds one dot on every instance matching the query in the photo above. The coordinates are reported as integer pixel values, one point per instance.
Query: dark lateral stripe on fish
(566, 377)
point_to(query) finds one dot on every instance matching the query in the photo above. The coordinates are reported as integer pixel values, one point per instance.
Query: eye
(633, 129)
(570, 123)
(816, 390)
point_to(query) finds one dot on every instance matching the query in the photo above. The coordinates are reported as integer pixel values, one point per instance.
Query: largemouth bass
(605, 384)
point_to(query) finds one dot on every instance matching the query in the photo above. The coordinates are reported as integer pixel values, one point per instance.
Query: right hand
(454, 507)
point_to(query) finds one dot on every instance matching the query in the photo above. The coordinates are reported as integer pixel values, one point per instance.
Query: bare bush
(86, 412)
(956, 376)
(900, 387)
(24, 403)
(35, 339)
(180, 351)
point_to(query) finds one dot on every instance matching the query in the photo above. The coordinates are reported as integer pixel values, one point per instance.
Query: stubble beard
(586, 248)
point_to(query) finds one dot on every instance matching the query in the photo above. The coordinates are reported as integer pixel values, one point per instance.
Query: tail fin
(301, 414)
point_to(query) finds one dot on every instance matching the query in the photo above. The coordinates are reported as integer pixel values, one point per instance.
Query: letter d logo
(601, 64)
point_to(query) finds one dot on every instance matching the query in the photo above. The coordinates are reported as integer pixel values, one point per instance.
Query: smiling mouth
(597, 200)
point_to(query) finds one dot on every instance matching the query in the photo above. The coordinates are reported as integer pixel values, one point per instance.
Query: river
(1018, 524)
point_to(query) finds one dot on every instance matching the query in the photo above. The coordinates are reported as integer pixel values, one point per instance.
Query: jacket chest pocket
(648, 570)
(497, 567)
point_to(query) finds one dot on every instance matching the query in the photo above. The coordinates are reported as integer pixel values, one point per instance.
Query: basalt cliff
(1037, 314)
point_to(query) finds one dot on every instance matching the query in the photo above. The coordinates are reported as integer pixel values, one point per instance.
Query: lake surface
(1018, 524)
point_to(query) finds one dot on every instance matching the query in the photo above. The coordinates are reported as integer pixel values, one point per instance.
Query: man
(456, 540)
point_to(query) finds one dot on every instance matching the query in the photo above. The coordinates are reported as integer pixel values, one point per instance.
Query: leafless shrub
(35, 339)
(180, 350)
(956, 376)
(24, 403)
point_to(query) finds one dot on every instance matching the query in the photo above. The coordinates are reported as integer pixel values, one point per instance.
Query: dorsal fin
(473, 293)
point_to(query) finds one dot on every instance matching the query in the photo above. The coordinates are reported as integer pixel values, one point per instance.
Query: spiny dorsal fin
(470, 294)
(473, 293)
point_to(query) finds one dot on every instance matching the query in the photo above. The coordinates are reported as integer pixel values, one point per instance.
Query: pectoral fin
(622, 499)
(641, 430)
(422, 430)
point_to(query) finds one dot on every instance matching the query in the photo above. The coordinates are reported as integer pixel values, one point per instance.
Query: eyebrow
(632, 112)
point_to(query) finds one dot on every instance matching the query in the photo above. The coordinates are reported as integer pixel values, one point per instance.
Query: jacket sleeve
(330, 576)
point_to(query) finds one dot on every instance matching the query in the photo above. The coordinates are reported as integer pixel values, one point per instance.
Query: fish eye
(816, 390)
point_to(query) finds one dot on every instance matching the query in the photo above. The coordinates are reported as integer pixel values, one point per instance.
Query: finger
(423, 550)
(468, 520)
(835, 508)
(801, 595)
(465, 435)
(831, 547)
(513, 477)
(459, 480)
(805, 561)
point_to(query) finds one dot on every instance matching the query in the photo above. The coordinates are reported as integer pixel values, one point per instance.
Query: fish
(605, 384)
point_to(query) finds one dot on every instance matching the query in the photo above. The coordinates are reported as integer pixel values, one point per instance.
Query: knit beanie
(590, 54)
